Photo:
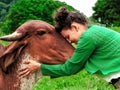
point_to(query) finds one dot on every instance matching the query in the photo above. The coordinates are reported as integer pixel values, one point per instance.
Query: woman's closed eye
(68, 38)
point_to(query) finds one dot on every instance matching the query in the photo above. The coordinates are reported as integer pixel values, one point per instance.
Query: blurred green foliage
(107, 12)
(3, 11)
(4, 8)
(116, 29)
(24, 10)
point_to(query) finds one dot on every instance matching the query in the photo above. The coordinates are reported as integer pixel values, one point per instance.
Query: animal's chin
(27, 56)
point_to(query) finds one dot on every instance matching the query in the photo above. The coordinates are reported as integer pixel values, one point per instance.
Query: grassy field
(79, 81)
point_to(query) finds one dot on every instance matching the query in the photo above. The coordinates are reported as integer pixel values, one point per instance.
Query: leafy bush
(107, 12)
(1, 24)
(24, 10)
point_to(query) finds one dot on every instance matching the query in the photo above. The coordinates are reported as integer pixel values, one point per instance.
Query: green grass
(79, 81)
(3, 42)
(116, 28)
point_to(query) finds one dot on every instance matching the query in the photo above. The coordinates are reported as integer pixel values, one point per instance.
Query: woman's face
(73, 34)
(70, 35)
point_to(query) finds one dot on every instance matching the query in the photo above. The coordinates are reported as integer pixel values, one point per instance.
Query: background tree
(24, 10)
(107, 12)
(2, 11)
(6, 1)
(4, 8)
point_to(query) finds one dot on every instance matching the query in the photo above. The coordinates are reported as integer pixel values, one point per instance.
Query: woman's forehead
(65, 32)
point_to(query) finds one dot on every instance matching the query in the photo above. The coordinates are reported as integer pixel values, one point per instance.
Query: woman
(98, 48)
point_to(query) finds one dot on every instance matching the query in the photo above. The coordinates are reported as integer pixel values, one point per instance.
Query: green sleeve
(84, 49)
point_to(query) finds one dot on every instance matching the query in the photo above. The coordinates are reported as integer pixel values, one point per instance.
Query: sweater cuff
(43, 72)
(49, 70)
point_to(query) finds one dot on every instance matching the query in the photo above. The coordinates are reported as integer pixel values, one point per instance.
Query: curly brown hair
(64, 18)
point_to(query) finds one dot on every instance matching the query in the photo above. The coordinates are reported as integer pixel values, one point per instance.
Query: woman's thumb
(26, 62)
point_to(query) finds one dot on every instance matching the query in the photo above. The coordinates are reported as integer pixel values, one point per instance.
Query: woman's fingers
(23, 72)
(26, 62)
(30, 67)
(22, 69)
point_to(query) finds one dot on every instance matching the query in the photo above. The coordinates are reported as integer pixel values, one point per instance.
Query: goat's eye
(41, 32)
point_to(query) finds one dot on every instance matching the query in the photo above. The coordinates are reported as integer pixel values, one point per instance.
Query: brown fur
(41, 42)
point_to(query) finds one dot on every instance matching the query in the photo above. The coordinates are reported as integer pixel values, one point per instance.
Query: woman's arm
(83, 51)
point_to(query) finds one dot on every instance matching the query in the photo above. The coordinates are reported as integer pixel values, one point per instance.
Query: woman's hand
(31, 66)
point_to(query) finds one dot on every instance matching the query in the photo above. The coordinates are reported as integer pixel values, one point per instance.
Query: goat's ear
(10, 54)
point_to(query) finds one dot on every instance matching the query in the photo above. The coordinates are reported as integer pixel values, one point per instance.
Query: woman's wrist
(39, 66)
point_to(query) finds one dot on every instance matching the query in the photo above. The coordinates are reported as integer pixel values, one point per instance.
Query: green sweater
(98, 50)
